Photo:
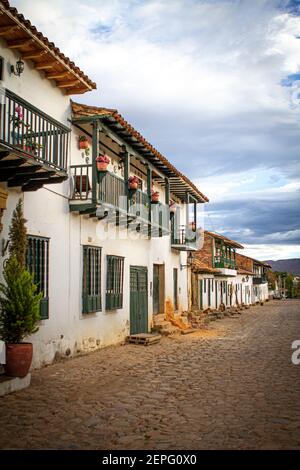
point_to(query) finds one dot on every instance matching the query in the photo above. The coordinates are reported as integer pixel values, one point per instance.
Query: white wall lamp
(17, 69)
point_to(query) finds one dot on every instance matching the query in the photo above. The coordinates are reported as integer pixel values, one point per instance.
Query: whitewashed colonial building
(106, 257)
(223, 277)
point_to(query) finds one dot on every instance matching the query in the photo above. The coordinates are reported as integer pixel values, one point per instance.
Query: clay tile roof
(245, 271)
(225, 239)
(81, 110)
(32, 45)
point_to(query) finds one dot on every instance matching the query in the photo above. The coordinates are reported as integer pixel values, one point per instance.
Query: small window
(37, 260)
(114, 282)
(204, 285)
(91, 285)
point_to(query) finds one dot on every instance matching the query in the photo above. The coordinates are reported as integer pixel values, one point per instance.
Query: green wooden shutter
(37, 261)
(114, 282)
(91, 284)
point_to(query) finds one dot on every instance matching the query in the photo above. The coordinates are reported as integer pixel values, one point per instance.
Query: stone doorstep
(13, 384)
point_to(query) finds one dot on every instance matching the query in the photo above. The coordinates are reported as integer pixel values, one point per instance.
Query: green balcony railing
(112, 191)
(223, 262)
(32, 133)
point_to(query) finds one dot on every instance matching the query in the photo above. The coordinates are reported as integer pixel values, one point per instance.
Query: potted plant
(155, 196)
(19, 301)
(83, 142)
(102, 162)
(133, 182)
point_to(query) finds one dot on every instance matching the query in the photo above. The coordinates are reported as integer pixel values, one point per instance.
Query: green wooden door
(216, 293)
(209, 292)
(138, 300)
(175, 288)
(155, 289)
(201, 294)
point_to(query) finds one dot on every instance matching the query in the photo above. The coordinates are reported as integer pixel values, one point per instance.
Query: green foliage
(17, 235)
(19, 303)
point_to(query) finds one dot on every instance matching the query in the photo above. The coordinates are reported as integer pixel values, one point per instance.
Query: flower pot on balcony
(83, 144)
(155, 197)
(133, 183)
(102, 162)
(102, 166)
(18, 359)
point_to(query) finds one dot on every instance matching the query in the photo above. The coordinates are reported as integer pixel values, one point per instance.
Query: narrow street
(232, 386)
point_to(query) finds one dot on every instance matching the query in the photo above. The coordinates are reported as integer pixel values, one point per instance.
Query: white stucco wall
(67, 331)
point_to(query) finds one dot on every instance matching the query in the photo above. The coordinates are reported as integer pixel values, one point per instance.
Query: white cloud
(272, 252)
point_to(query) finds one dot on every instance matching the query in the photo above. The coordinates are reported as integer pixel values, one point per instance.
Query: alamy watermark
(296, 353)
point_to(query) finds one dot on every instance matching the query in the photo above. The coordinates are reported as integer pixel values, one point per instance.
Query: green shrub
(19, 303)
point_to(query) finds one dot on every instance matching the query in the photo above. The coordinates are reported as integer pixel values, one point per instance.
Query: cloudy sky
(214, 85)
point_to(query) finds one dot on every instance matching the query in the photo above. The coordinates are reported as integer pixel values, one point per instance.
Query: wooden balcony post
(149, 187)
(167, 191)
(126, 162)
(95, 153)
(187, 208)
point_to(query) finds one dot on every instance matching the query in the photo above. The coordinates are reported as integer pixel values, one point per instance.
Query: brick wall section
(206, 253)
(243, 262)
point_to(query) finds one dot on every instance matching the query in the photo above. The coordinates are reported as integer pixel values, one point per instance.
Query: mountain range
(291, 266)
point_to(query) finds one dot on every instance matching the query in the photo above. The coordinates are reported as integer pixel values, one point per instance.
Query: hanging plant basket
(155, 197)
(133, 183)
(102, 163)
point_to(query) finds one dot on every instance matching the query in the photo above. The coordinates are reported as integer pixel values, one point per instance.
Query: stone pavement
(230, 387)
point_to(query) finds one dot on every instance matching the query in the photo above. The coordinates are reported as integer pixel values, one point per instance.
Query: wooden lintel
(33, 55)
(68, 84)
(57, 75)
(17, 43)
(45, 65)
(8, 29)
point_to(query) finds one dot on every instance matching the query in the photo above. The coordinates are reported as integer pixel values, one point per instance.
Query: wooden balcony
(33, 146)
(109, 198)
(183, 238)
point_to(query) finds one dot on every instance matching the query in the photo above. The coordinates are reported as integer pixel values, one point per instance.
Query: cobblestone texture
(233, 386)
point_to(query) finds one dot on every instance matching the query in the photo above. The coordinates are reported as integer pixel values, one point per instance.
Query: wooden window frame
(91, 279)
(114, 294)
(37, 262)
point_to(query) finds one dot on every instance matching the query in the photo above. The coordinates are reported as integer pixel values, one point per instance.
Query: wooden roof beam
(68, 83)
(57, 75)
(17, 43)
(45, 65)
(33, 55)
(8, 29)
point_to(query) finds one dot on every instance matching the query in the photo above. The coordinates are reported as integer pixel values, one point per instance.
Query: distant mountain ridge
(291, 266)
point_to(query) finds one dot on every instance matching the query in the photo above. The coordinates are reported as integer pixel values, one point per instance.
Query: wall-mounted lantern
(17, 69)
(189, 261)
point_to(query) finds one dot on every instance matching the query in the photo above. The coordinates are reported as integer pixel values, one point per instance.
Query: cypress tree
(17, 235)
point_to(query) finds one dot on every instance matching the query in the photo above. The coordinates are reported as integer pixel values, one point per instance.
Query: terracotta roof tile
(11, 16)
(225, 239)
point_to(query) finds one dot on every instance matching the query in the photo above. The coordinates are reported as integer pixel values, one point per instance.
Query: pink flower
(19, 112)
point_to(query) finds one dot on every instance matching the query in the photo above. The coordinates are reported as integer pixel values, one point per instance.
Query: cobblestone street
(231, 386)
